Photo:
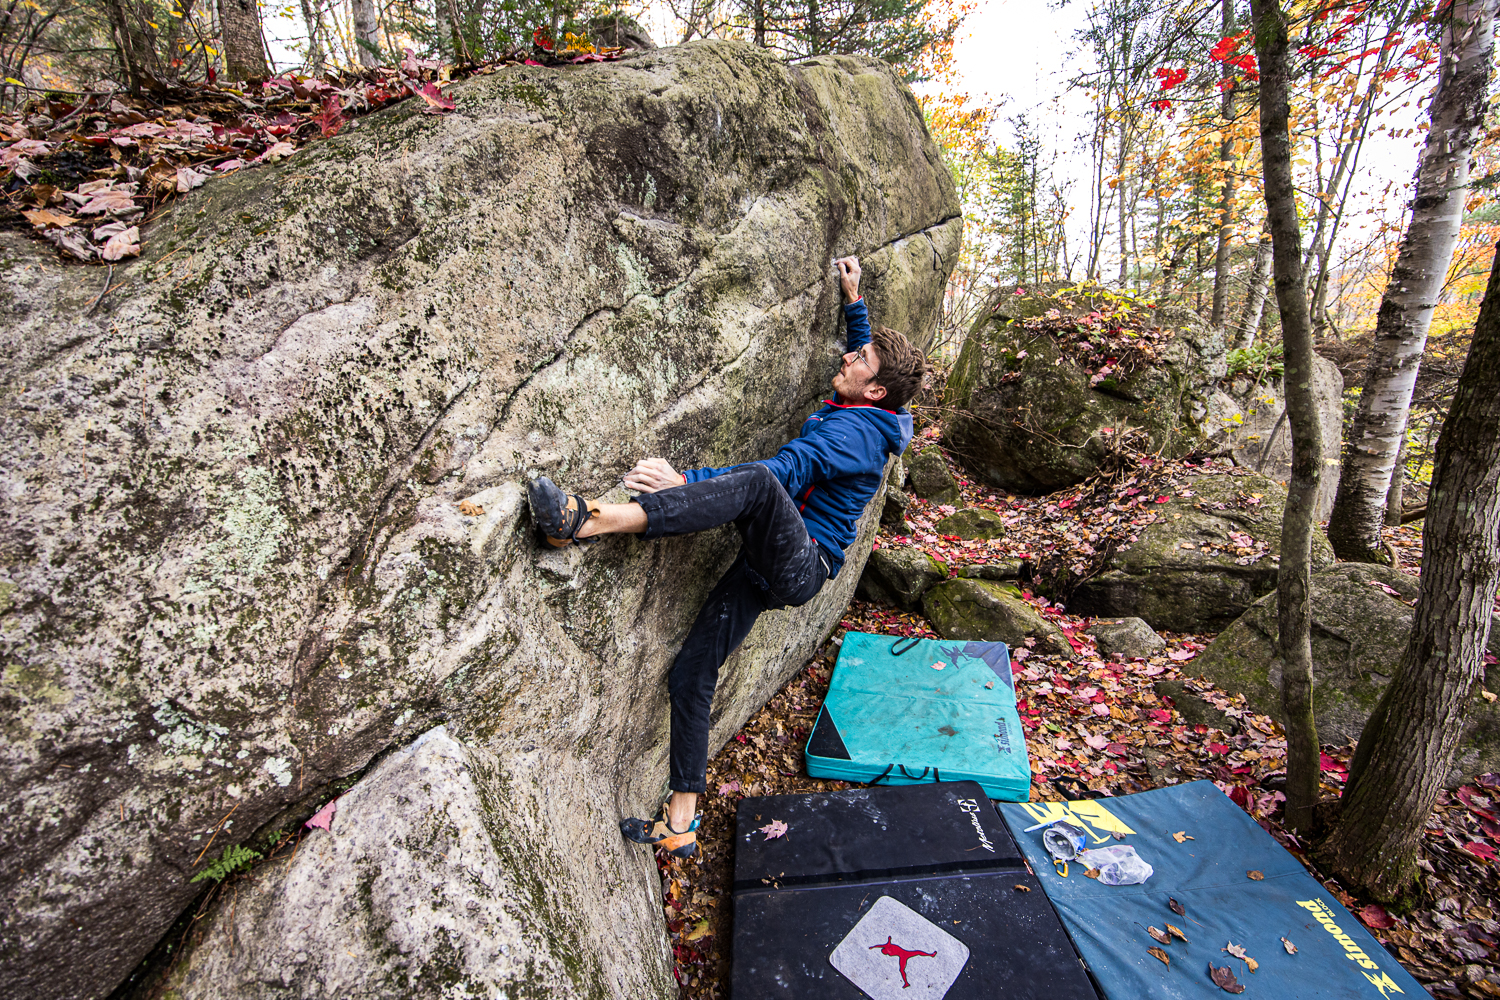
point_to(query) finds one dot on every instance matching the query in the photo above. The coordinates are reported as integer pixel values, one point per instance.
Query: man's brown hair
(901, 367)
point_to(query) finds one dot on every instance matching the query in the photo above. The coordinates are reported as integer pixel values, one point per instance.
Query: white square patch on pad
(895, 953)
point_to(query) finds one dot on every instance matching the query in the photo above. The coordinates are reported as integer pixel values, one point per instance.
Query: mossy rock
(927, 471)
(982, 611)
(1359, 633)
(1026, 421)
(893, 510)
(999, 569)
(900, 575)
(1185, 572)
(973, 522)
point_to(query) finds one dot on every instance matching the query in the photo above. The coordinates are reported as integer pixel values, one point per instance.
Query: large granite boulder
(264, 519)
(981, 611)
(1359, 633)
(1247, 422)
(1205, 556)
(1025, 417)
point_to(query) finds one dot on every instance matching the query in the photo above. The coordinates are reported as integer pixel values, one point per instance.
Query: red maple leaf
(332, 117)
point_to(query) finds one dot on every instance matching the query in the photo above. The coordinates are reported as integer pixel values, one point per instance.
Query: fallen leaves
(775, 828)
(1176, 907)
(1374, 915)
(323, 818)
(437, 102)
(1255, 876)
(1158, 953)
(469, 509)
(1160, 935)
(45, 218)
(1182, 835)
(1291, 949)
(1224, 979)
(126, 243)
(1176, 932)
(1238, 951)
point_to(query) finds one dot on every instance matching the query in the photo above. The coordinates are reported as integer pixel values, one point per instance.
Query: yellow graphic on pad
(1087, 813)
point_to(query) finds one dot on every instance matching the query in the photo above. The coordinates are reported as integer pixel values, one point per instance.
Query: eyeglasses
(860, 355)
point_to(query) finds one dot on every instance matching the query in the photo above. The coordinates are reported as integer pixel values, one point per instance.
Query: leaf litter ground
(1139, 741)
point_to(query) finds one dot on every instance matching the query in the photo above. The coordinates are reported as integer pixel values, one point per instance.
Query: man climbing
(796, 513)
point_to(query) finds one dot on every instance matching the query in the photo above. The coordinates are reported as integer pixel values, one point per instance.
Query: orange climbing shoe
(657, 832)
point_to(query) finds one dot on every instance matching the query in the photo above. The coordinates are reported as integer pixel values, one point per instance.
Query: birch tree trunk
(1255, 300)
(1416, 282)
(1409, 743)
(244, 54)
(366, 33)
(1226, 201)
(1293, 606)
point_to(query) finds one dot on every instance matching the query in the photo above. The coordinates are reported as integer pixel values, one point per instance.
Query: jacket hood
(896, 426)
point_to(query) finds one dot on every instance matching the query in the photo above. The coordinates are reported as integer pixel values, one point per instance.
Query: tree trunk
(1293, 607)
(758, 15)
(1458, 106)
(1226, 200)
(1409, 743)
(366, 33)
(244, 53)
(312, 15)
(136, 52)
(1255, 299)
(1394, 499)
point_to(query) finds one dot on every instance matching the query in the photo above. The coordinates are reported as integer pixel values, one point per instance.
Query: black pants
(779, 566)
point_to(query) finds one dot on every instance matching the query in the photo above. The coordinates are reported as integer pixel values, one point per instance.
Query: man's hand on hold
(848, 268)
(652, 474)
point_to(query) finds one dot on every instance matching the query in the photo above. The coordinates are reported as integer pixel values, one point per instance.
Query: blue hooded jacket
(833, 468)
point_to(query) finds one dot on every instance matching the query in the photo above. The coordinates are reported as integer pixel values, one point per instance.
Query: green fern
(234, 859)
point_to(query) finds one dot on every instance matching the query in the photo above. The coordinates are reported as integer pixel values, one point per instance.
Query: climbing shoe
(657, 832)
(559, 515)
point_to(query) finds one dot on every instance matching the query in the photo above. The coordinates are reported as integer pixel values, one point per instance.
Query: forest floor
(1139, 742)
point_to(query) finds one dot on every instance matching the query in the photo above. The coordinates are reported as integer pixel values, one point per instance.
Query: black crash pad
(920, 880)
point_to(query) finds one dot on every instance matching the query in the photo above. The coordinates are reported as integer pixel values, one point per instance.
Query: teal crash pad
(901, 711)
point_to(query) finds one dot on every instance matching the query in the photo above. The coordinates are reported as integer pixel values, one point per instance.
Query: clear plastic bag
(1118, 865)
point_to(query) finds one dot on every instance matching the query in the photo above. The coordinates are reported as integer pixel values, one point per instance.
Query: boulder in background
(1359, 633)
(900, 575)
(1248, 424)
(981, 611)
(1205, 558)
(1027, 419)
(927, 471)
(1126, 636)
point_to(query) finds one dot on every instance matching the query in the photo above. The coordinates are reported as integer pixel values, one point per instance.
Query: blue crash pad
(892, 718)
(1336, 956)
